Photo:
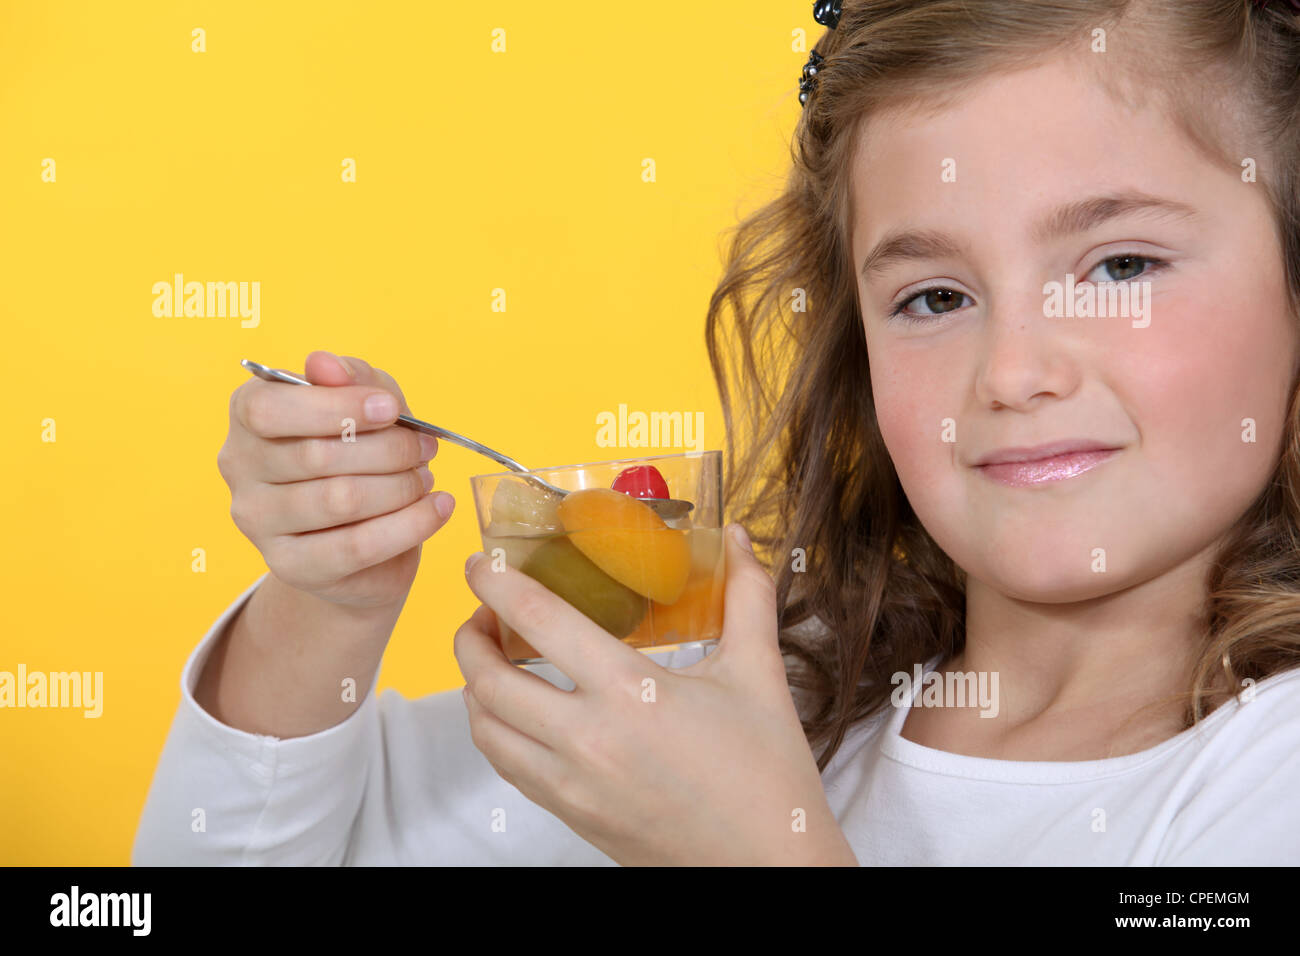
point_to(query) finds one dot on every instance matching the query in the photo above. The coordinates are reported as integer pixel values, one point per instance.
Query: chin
(1052, 570)
(1044, 587)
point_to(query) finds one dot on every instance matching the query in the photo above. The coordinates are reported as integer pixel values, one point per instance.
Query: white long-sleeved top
(401, 782)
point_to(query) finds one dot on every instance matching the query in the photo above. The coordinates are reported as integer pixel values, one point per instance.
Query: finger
(363, 373)
(593, 658)
(351, 370)
(329, 556)
(749, 627)
(377, 376)
(526, 764)
(485, 619)
(278, 410)
(331, 502)
(326, 368)
(529, 704)
(380, 452)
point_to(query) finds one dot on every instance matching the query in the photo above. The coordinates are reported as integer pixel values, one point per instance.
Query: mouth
(1019, 467)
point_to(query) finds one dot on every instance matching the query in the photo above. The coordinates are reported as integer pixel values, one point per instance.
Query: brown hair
(809, 475)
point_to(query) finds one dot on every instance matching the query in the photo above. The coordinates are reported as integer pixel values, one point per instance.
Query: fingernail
(380, 407)
(428, 446)
(426, 476)
(352, 373)
(474, 559)
(741, 537)
(445, 504)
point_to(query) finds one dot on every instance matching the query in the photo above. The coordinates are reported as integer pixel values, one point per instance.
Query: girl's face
(1035, 176)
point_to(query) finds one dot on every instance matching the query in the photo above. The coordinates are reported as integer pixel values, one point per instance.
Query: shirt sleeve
(1241, 805)
(399, 782)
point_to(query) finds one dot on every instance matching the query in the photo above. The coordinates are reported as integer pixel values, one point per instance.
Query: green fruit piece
(565, 571)
(517, 502)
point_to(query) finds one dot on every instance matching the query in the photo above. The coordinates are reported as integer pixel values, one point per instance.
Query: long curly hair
(864, 592)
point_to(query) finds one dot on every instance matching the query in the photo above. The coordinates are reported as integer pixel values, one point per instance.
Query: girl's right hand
(341, 520)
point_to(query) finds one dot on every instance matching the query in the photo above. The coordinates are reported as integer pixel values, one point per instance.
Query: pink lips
(1021, 467)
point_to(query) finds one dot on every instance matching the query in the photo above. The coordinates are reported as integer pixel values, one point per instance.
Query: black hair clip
(808, 82)
(827, 13)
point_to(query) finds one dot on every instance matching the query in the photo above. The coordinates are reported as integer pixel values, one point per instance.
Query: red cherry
(641, 481)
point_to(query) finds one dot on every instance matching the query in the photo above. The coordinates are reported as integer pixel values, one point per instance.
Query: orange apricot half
(627, 540)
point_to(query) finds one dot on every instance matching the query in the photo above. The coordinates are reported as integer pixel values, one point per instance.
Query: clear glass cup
(651, 581)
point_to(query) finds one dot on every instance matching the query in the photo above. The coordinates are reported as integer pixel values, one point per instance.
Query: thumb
(749, 632)
(326, 368)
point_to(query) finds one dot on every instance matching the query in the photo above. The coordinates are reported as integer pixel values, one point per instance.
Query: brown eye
(929, 302)
(942, 300)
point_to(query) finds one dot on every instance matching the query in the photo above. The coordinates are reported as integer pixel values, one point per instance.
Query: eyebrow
(1071, 218)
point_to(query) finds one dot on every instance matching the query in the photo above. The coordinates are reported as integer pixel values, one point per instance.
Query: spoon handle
(667, 508)
(276, 375)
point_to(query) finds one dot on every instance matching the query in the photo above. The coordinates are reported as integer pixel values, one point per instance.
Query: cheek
(1214, 374)
(912, 399)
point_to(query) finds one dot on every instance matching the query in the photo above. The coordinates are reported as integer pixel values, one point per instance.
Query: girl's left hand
(706, 765)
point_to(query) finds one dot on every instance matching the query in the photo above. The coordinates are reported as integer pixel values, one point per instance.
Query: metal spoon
(667, 508)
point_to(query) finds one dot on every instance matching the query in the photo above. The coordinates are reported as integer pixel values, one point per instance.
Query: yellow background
(475, 170)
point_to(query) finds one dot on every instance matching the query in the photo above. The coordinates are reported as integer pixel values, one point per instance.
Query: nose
(1025, 356)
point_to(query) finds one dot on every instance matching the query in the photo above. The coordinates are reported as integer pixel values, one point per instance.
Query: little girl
(1063, 544)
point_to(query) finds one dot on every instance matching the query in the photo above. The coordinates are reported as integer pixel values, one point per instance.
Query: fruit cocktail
(635, 545)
